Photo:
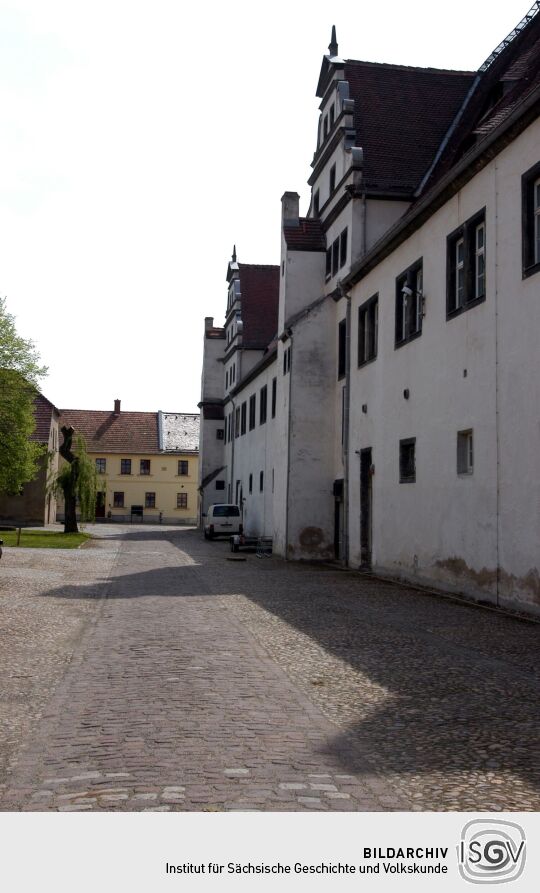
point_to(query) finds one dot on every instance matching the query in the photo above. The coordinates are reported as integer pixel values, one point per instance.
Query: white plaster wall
(443, 528)
(253, 453)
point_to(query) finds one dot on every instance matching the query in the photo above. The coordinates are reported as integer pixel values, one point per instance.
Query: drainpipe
(290, 334)
(233, 426)
(497, 431)
(346, 417)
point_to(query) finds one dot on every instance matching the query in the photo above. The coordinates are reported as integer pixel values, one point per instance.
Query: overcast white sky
(139, 141)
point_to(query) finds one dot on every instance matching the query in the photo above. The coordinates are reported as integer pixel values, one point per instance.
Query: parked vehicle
(222, 519)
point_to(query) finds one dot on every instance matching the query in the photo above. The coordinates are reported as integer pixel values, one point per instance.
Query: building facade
(147, 463)
(36, 504)
(402, 374)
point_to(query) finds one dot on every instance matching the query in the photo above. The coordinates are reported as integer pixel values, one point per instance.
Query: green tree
(20, 371)
(77, 481)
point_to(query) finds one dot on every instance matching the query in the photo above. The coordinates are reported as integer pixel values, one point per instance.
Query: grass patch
(44, 539)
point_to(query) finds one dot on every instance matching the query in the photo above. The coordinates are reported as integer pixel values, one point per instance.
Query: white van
(222, 519)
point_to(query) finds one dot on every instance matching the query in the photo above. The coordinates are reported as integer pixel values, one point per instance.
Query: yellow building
(147, 463)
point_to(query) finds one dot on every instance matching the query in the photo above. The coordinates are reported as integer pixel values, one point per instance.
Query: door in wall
(366, 506)
(100, 505)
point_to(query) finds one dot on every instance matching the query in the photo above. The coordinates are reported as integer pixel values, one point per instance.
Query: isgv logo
(491, 851)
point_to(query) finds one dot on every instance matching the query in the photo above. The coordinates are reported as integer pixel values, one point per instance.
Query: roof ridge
(260, 266)
(429, 69)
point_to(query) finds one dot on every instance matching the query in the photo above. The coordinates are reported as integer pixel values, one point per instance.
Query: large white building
(387, 413)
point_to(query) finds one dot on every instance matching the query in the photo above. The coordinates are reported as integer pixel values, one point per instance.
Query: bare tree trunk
(70, 487)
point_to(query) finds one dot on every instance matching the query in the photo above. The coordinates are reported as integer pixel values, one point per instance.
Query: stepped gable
(260, 296)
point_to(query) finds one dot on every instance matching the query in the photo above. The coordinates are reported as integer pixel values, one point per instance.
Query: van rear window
(226, 511)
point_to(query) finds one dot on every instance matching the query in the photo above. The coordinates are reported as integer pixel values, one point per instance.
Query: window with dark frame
(466, 266)
(118, 500)
(101, 466)
(261, 481)
(237, 423)
(409, 303)
(144, 466)
(263, 401)
(368, 325)
(243, 418)
(181, 498)
(220, 485)
(149, 500)
(332, 178)
(125, 466)
(274, 397)
(530, 199)
(251, 483)
(252, 411)
(465, 452)
(336, 254)
(342, 348)
(183, 466)
(407, 460)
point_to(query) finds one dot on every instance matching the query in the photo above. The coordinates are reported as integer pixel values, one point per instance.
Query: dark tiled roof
(133, 432)
(44, 411)
(401, 116)
(508, 81)
(259, 286)
(308, 236)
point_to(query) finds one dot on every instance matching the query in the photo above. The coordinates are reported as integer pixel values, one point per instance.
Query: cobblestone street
(148, 671)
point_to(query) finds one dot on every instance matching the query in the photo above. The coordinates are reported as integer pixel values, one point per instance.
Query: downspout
(497, 433)
(233, 426)
(290, 334)
(346, 417)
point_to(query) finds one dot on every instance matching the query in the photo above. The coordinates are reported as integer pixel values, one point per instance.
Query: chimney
(290, 209)
(117, 407)
(208, 323)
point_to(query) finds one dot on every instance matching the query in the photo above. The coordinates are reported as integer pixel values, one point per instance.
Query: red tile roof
(401, 116)
(259, 286)
(308, 236)
(44, 411)
(105, 432)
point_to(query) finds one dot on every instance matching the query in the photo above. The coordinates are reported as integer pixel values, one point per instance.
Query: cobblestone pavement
(204, 683)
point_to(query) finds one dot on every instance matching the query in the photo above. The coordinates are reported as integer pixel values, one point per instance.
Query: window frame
(243, 415)
(530, 221)
(144, 467)
(342, 349)
(102, 468)
(183, 464)
(274, 397)
(371, 305)
(408, 318)
(183, 498)
(125, 463)
(461, 291)
(263, 404)
(150, 500)
(465, 452)
(252, 411)
(118, 499)
(407, 477)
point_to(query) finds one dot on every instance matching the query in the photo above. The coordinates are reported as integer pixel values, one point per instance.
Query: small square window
(220, 485)
(465, 452)
(145, 466)
(407, 461)
(183, 466)
(150, 500)
(118, 500)
(125, 466)
(101, 466)
(220, 434)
